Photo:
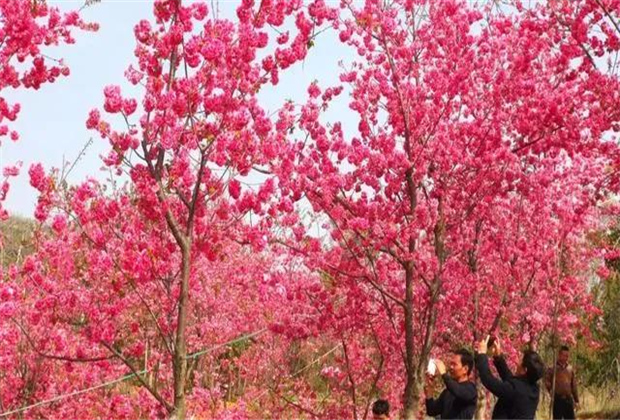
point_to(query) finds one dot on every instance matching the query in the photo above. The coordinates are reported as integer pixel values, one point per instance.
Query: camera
(491, 341)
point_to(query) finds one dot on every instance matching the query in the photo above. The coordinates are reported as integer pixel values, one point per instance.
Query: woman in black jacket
(517, 395)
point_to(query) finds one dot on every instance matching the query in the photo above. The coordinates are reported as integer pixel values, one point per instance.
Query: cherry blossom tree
(461, 205)
(198, 134)
(469, 120)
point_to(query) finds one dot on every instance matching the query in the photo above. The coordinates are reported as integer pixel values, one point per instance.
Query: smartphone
(431, 369)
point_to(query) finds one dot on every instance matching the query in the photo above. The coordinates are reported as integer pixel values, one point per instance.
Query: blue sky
(52, 120)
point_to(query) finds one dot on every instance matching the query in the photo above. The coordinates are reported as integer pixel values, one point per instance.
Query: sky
(52, 120)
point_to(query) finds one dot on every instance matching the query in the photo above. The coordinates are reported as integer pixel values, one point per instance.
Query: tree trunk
(415, 372)
(180, 350)
(412, 396)
(412, 389)
(481, 403)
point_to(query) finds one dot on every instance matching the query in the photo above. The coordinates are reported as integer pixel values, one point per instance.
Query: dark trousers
(563, 408)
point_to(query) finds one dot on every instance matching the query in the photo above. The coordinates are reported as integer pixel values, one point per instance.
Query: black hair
(467, 359)
(534, 366)
(381, 407)
(564, 348)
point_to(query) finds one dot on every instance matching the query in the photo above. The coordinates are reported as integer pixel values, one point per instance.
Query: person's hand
(577, 406)
(441, 368)
(496, 349)
(482, 346)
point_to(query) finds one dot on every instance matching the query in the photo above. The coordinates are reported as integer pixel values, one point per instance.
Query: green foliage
(602, 366)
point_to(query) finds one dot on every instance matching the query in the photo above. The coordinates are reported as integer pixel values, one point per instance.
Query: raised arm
(502, 367)
(490, 382)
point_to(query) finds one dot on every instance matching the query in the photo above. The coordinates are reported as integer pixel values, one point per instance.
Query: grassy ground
(601, 403)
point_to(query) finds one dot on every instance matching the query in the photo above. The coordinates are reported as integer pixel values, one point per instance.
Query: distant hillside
(16, 238)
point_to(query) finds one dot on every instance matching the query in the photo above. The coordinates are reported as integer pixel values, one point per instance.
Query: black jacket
(457, 401)
(502, 405)
(517, 398)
